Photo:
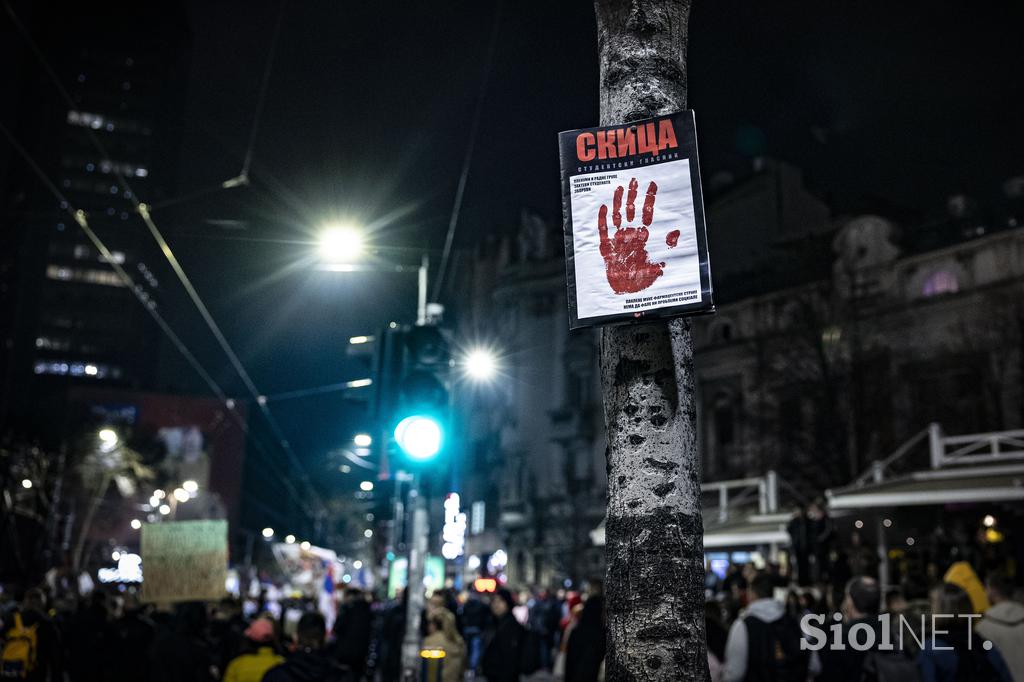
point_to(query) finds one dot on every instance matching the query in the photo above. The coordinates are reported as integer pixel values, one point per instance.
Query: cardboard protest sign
(626, 262)
(184, 560)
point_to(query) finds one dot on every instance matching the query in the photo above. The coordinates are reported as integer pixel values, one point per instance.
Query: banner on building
(184, 560)
(635, 240)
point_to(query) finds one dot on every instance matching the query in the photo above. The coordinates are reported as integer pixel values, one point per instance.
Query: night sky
(369, 107)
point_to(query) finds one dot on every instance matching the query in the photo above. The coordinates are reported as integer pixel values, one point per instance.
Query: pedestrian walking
(260, 654)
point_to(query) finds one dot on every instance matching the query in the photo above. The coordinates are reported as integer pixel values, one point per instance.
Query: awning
(935, 487)
(748, 532)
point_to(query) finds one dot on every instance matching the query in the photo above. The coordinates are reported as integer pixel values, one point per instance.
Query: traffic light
(413, 405)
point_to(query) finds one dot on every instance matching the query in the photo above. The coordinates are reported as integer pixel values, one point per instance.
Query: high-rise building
(71, 319)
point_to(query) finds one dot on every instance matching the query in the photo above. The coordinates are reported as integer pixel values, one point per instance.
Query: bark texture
(654, 532)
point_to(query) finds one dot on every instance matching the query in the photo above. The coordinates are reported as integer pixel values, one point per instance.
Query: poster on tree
(635, 240)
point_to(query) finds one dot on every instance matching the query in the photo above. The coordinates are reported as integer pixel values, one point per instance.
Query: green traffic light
(419, 436)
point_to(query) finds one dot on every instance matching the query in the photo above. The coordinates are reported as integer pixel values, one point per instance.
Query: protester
(585, 648)
(309, 662)
(352, 631)
(259, 654)
(861, 600)
(131, 637)
(953, 652)
(543, 624)
(476, 617)
(182, 653)
(1003, 623)
(501, 659)
(764, 643)
(31, 642)
(392, 631)
(442, 634)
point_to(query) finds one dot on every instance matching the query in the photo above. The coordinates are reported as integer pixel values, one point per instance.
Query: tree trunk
(654, 533)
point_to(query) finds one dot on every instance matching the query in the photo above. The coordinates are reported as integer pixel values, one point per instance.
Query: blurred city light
(136, 524)
(108, 439)
(366, 486)
(363, 440)
(165, 509)
(290, 539)
(358, 383)
(26, 483)
(191, 487)
(340, 245)
(367, 533)
(180, 495)
(305, 545)
(268, 533)
(355, 340)
(989, 520)
(357, 564)
(159, 494)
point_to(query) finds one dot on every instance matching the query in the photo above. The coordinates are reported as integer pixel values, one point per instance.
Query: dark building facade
(69, 317)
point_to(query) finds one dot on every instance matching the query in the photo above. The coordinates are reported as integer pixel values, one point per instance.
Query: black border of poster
(684, 123)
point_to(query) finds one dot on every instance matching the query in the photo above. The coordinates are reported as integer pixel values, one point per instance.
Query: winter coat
(500, 662)
(766, 610)
(352, 634)
(307, 665)
(1003, 624)
(251, 667)
(585, 649)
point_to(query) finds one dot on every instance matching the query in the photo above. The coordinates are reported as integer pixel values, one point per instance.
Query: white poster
(635, 239)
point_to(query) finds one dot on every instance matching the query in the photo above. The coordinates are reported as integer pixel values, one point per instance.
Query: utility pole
(654, 532)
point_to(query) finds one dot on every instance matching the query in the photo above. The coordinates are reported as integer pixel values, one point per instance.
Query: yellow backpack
(19, 653)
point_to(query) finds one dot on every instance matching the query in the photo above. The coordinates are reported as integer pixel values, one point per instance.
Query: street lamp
(136, 524)
(480, 364)
(108, 439)
(268, 533)
(366, 486)
(165, 509)
(340, 245)
(191, 487)
(363, 440)
(290, 539)
(305, 545)
(26, 483)
(181, 495)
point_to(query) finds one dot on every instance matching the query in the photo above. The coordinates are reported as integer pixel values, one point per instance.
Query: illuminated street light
(305, 545)
(26, 483)
(290, 539)
(268, 533)
(180, 495)
(357, 564)
(480, 364)
(159, 494)
(356, 340)
(108, 439)
(191, 487)
(989, 521)
(165, 509)
(363, 440)
(154, 501)
(366, 486)
(367, 533)
(136, 524)
(340, 245)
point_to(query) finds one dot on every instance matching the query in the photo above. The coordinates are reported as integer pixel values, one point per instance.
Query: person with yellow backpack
(30, 649)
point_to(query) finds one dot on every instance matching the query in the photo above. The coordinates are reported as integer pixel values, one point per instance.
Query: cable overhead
(261, 98)
(81, 219)
(143, 210)
(460, 190)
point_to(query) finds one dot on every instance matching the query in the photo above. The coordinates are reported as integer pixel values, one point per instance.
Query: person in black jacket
(352, 632)
(501, 658)
(182, 654)
(309, 662)
(586, 646)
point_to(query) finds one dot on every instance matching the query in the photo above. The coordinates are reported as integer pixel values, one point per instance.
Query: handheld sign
(184, 560)
(635, 242)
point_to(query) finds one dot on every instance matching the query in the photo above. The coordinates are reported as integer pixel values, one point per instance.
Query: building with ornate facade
(835, 339)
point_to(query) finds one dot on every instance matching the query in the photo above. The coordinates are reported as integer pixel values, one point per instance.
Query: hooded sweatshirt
(766, 610)
(1003, 625)
(307, 666)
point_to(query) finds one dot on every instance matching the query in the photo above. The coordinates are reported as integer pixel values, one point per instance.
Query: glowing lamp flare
(481, 364)
(268, 533)
(340, 245)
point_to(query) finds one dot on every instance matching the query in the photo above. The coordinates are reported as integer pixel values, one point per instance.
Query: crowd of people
(761, 622)
(113, 637)
(761, 626)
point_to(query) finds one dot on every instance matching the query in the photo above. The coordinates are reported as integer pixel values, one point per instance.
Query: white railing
(975, 448)
(732, 493)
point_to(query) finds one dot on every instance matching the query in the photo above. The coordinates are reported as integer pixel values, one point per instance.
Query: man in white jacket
(1003, 623)
(764, 643)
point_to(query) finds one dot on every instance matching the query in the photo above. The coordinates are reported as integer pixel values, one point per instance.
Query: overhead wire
(143, 210)
(467, 159)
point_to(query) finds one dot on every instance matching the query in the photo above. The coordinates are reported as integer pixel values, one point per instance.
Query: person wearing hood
(764, 643)
(501, 659)
(1003, 623)
(309, 662)
(259, 654)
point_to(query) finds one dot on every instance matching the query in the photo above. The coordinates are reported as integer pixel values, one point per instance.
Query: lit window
(940, 282)
(478, 516)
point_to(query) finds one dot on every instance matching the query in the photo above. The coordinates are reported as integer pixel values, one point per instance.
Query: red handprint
(626, 261)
